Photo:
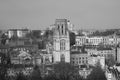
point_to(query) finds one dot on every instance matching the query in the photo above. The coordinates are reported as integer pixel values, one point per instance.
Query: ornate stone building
(61, 41)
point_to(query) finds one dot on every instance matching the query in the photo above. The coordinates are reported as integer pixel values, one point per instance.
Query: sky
(40, 14)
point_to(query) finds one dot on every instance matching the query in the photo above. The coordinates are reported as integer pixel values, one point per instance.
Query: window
(86, 61)
(62, 58)
(76, 58)
(62, 29)
(62, 45)
(76, 62)
(79, 62)
(83, 62)
(73, 62)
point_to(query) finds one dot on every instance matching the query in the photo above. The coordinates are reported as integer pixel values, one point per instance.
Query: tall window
(62, 58)
(62, 30)
(54, 44)
(59, 29)
(62, 45)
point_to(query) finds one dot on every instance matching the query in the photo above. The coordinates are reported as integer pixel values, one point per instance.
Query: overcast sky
(37, 14)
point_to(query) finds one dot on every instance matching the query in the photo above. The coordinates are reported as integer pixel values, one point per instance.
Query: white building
(61, 41)
(79, 58)
(94, 59)
(118, 54)
(17, 32)
(103, 52)
(105, 40)
(80, 40)
(94, 40)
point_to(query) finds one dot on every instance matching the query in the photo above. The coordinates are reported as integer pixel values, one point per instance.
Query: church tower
(61, 41)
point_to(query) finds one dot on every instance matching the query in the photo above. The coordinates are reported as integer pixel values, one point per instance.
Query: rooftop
(104, 48)
(18, 29)
(4, 46)
(78, 52)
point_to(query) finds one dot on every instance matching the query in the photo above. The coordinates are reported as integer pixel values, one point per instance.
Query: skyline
(84, 14)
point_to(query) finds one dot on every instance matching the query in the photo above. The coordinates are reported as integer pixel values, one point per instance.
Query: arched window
(62, 58)
(62, 44)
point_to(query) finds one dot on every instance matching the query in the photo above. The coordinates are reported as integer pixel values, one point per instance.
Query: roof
(104, 48)
(61, 20)
(90, 47)
(78, 52)
(18, 29)
(22, 46)
(23, 53)
(76, 47)
(4, 46)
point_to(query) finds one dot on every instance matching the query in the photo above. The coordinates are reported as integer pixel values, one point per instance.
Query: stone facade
(61, 42)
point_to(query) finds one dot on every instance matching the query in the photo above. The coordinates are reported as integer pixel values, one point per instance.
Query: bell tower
(61, 41)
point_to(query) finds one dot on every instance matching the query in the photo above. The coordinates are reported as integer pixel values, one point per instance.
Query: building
(118, 54)
(94, 40)
(27, 48)
(21, 57)
(17, 33)
(49, 48)
(79, 58)
(80, 40)
(106, 52)
(105, 40)
(61, 41)
(37, 58)
(94, 59)
(47, 58)
(112, 40)
(4, 48)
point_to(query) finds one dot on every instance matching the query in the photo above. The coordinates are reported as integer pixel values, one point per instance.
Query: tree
(65, 71)
(50, 77)
(72, 38)
(97, 73)
(36, 74)
(110, 61)
(3, 66)
(36, 33)
(21, 76)
(4, 38)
